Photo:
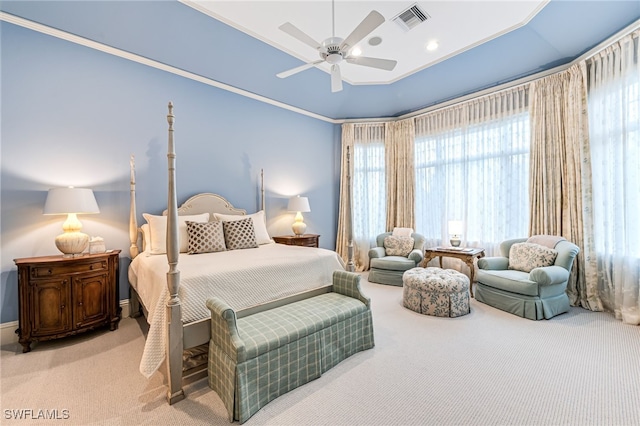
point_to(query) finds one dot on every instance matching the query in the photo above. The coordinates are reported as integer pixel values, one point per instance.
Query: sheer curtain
(472, 164)
(368, 194)
(614, 128)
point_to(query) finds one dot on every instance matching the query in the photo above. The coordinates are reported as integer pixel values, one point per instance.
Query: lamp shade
(298, 204)
(456, 227)
(70, 200)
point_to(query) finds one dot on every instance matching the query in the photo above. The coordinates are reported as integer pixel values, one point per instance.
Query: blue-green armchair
(520, 285)
(388, 269)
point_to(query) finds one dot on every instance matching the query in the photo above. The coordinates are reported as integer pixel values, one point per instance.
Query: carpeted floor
(485, 368)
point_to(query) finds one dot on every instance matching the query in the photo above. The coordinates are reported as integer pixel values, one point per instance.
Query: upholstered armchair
(529, 279)
(394, 255)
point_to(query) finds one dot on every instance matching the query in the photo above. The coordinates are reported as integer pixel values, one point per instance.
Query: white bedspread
(242, 278)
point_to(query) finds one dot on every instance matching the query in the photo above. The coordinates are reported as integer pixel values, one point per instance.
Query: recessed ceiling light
(375, 40)
(356, 51)
(432, 45)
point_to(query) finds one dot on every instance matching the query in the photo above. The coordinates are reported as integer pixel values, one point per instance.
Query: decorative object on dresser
(71, 201)
(304, 240)
(96, 245)
(299, 205)
(456, 228)
(467, 255)
(61, 296)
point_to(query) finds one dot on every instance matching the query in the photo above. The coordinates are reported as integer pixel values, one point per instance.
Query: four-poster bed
(250, 280)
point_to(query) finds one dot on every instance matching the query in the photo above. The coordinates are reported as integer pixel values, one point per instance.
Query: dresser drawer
(304, 242)
(43, 271)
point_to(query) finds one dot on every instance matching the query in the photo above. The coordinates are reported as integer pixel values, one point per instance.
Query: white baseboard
(8, 332)
(8, 329)
(126, 308)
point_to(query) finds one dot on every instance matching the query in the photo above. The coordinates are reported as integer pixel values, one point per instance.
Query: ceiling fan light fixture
(356, 51)
(334, 58)
(335, 49)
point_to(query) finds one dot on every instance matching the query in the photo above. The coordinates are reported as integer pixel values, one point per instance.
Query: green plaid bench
(255, 359)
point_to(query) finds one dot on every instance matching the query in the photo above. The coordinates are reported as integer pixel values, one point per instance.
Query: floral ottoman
(436, 291)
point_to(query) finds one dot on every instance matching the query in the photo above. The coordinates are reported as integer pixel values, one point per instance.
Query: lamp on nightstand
(455, 230)
(71, 201)
(299, 205)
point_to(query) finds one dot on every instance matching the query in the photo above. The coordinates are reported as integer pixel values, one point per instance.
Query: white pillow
(146, 238)
(158, 231)
(402, 232)
(259, 224)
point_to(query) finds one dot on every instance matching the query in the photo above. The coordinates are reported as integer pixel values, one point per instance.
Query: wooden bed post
(133, 220)
(350, 264)
(174, 309)
(263, 204)
(134, 250)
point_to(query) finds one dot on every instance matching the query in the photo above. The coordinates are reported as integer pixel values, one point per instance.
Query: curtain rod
(509, 85)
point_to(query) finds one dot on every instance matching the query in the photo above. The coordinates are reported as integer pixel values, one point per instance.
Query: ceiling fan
(334, 49)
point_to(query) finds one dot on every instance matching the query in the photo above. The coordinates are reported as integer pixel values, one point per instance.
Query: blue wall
(73, 116)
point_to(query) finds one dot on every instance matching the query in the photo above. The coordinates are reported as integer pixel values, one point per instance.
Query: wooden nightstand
(60, 297)
(305, 240)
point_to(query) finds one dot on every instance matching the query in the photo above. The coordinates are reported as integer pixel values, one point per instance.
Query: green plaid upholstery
(255, 359)
(345, 338)
(348, 283)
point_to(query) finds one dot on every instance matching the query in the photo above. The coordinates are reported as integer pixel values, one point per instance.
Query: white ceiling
(456, 25)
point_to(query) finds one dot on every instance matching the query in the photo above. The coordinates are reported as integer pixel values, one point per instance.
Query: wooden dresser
(305, 240)
(61, 297)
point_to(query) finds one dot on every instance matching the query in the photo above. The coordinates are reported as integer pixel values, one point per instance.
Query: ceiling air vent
(411, 17)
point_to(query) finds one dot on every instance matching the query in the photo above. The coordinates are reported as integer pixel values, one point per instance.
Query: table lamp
(299, 205)
(71, 201)
(456, 227)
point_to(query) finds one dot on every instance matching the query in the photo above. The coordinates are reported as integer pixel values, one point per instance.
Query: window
(614, 135)
(475, 168)
(369, 193)
(614, 121)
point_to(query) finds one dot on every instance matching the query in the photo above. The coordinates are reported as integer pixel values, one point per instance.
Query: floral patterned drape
(559, 143)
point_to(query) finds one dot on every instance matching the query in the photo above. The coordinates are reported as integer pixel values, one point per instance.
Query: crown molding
(44, 29)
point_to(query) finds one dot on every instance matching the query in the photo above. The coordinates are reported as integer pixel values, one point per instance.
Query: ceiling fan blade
(383, 64)
(373, 20)
(336, 78)
(292, 71)
(296, 33)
